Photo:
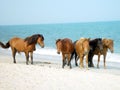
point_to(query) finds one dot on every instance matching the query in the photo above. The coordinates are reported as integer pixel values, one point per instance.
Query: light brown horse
(107, 44)
(26, 45)
(66, 47)
(82, 49)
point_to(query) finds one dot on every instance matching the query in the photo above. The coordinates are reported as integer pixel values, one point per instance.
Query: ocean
(52, 32)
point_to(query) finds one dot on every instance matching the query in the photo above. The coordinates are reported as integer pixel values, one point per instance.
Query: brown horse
(82, 49)
(107, 44)
(66, 47)
(26, 45)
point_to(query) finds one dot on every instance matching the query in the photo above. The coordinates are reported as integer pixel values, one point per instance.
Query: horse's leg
(31, 55)
(92, 65)
(87, 61)
(69, 60)
(13, 54)
(90, 57)
(76, 59)
(104, 61)
(81, 61)
(98, 60)
(27, 57)
(63, 60)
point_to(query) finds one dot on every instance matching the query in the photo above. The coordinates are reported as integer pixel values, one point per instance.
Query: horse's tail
(72, 55)
(5, 46)
(74, 52)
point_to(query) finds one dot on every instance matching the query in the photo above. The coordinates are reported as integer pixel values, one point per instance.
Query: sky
(58, 11)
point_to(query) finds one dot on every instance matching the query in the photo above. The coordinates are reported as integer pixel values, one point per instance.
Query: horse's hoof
(87, 68)
(105, 68)
(98, 67)
(76, 64)
(81, 67)
(92, 65)
(70, 67)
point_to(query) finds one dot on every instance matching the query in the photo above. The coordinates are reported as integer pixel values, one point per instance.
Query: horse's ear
(58, 40)
(105, 41)
(89, 39)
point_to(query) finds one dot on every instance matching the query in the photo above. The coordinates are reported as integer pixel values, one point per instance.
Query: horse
(66, 47)
(95, 43)
(26, 45)
(107, 44)
(82, 49)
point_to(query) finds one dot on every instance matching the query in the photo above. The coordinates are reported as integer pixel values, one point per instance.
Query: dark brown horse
(107, 44)
(26, 45)
(66, 47)
(95, 43)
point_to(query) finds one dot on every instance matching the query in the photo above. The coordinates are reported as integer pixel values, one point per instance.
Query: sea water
(52, 32)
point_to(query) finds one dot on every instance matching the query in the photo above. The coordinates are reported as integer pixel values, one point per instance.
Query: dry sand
(50, 76)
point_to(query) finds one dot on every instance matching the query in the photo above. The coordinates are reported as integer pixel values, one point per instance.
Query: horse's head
(85, 45)
(99, 44)
(58, 45)
(109, 44)
(36, 38)
(40, 40)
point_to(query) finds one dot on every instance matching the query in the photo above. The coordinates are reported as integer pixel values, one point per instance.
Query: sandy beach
(50, 76)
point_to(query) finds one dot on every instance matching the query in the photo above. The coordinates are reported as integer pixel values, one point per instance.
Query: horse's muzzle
(42, 46)
(58, 52)
(112, 51)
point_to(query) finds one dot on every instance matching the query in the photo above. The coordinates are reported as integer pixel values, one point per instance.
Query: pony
(107, 44)
(66, 47)
(26, 45)
(95, 43)
(82, 49)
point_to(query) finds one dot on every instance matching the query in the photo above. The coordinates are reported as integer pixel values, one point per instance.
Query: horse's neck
(105, 48)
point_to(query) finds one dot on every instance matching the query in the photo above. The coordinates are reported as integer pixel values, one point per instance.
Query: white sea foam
(51, 54)
(46, 51)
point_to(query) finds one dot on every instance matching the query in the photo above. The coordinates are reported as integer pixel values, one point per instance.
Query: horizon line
(60, 23)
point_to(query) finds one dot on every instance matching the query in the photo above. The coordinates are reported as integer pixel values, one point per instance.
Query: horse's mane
(58, 40)
(94, 42)
(33, 39)
(107, 41)
(83, 39)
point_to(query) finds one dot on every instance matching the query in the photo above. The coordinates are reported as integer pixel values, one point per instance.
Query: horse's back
(67, 45)
(17, 43)
(78, 46)
(80, 49)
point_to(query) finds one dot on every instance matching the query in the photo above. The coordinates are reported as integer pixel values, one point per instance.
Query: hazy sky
(58, 11)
